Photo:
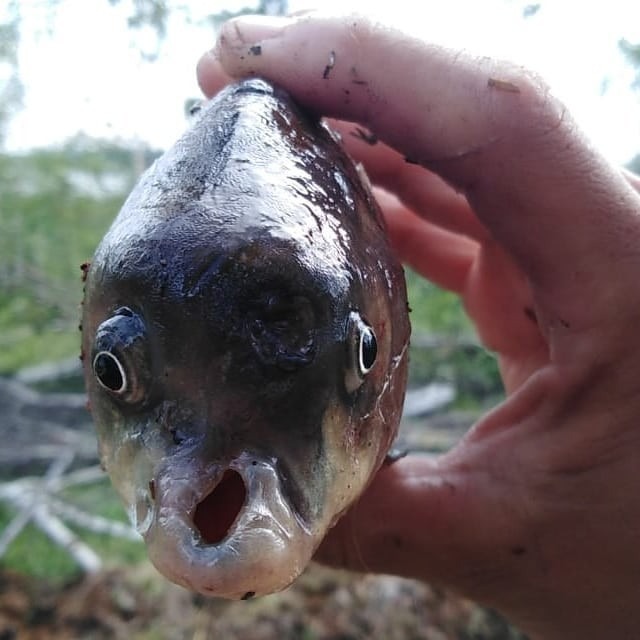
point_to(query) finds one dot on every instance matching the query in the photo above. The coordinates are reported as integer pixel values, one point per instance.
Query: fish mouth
(226, 531)
(216, 513)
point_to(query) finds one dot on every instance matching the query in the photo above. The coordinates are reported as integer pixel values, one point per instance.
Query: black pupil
(108, 372)
(368, 349)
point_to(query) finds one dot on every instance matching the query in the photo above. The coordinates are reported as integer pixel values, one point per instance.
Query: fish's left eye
(110, 373)
(121, 361)
(362, 351)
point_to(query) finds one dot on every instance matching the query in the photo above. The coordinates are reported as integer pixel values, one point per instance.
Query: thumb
(427, 518)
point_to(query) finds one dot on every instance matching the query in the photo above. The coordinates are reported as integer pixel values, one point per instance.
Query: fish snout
(227, 530)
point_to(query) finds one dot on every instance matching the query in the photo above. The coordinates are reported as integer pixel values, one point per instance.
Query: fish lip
(265, 548)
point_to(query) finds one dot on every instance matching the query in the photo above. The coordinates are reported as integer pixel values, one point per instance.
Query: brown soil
(323, 604)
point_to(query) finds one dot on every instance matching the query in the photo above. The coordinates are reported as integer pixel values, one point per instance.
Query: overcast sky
(85, 74)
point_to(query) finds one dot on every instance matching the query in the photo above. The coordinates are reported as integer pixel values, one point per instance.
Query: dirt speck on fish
(245, 325)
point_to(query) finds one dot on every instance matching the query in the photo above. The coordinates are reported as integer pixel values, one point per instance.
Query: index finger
(489, 128)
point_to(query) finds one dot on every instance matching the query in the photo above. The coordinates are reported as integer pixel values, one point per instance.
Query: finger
(499, 300)
(211, 76)
(496, 295)
(413, 521)
(632, 178)
(489, 128)
(420, 190)
(439, 255)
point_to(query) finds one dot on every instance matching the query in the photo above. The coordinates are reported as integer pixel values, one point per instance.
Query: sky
(83, 72)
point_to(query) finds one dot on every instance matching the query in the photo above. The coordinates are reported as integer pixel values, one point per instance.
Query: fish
(245, 341)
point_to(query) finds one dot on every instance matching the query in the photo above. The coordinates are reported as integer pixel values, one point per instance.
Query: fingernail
(252, 29)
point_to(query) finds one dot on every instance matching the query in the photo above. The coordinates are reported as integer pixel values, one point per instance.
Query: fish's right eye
(362, 350)
(110, 373)
(121, 360)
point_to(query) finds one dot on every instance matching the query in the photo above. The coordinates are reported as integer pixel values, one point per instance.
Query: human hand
(537, 510)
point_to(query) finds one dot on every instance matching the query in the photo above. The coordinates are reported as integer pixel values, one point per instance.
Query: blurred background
(91, 92)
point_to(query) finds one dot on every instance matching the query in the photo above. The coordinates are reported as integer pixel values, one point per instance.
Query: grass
(23, 346)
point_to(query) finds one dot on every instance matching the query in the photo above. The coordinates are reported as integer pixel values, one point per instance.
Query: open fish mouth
(216, 513)
(228, 532)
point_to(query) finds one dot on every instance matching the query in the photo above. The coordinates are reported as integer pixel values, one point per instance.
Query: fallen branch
(35, 499)
(54, 428)
(27, 500)
(84, 556)
(92, 522)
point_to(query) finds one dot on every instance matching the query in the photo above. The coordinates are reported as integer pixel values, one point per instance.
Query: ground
(136, 604)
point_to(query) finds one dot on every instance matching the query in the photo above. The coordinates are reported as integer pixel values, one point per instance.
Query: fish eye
(367, 350)
(121, 363)
(110, 373)
(363, 350)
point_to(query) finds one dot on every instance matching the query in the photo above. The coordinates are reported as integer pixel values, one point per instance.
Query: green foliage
(56, 205)
(444, 347)
(470, 368)
(11, 89)
(31, 553)
(23, 344)
(434, 310)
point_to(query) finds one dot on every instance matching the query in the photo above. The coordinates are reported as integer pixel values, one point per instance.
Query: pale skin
(537, 510)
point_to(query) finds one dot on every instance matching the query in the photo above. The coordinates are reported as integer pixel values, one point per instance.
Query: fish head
(244, 347)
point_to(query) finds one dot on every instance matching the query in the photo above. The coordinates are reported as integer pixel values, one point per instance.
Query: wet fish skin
(230, 317)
